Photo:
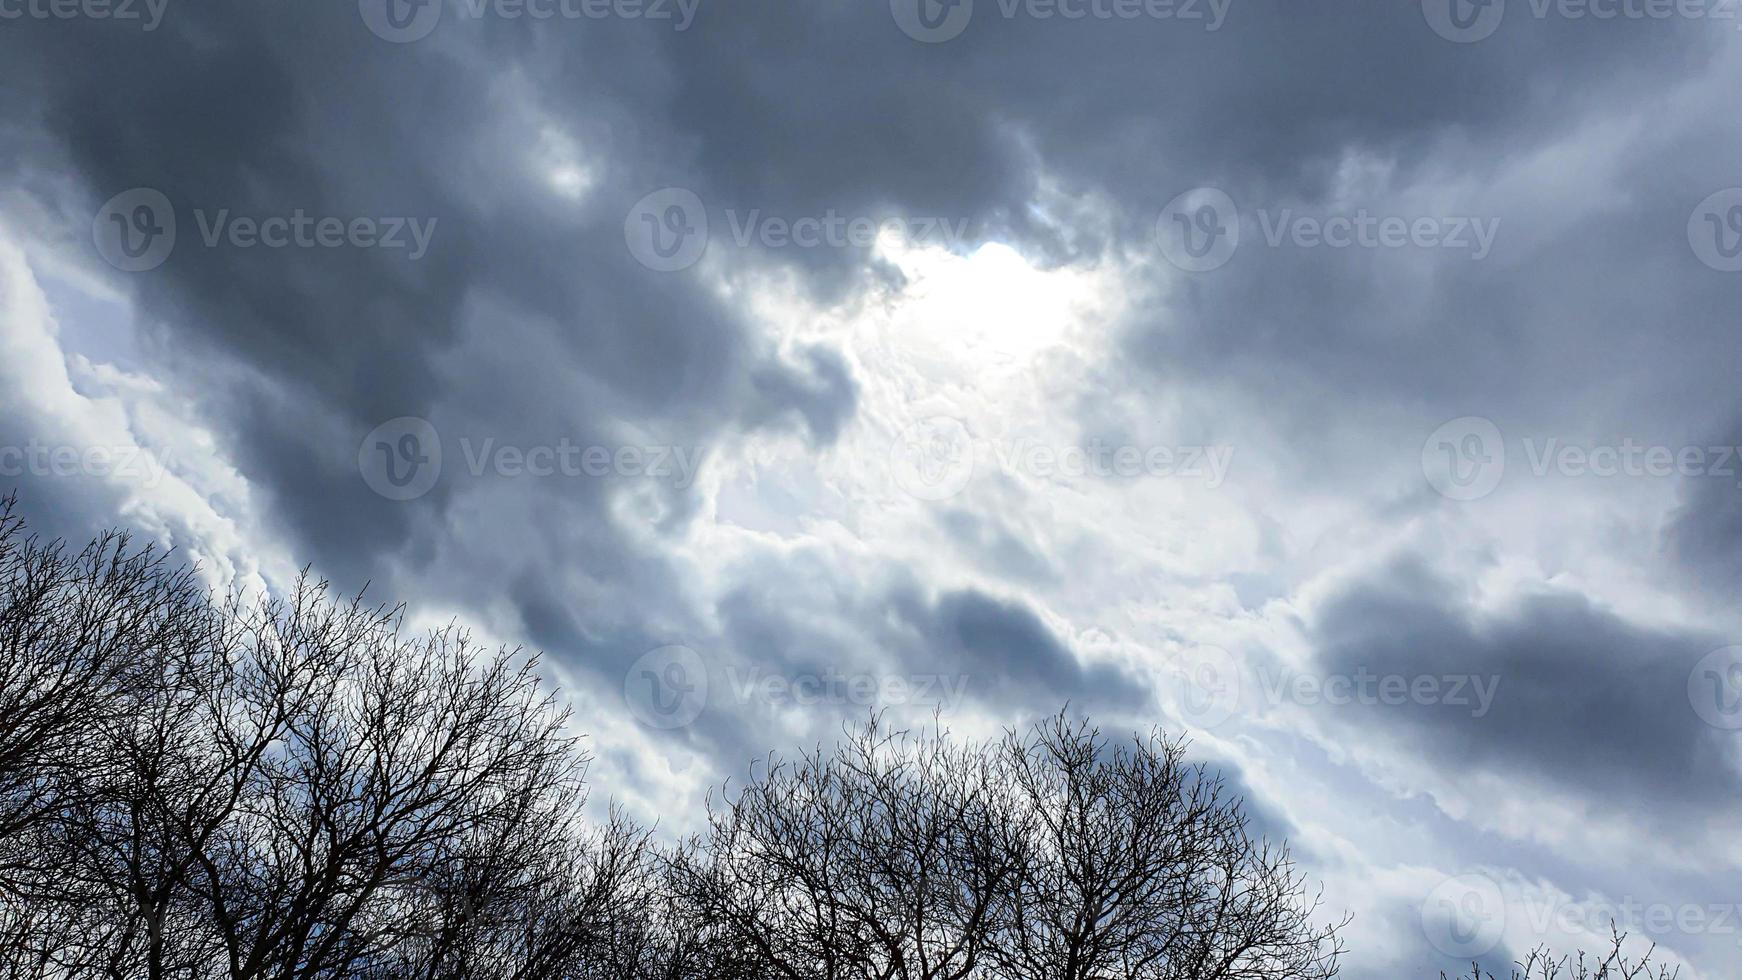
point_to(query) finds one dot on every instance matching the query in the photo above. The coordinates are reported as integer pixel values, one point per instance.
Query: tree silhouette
(1540, 964)
(908, 856)
(289, 788)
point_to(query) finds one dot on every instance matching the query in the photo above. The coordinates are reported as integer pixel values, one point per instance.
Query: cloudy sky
(1349, 385)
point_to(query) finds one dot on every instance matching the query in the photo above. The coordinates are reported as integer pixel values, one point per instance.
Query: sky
(1346, 386)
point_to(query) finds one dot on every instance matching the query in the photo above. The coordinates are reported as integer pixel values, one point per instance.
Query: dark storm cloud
(1008, 655)
(528, 321)
(790, 110)
(265, 109)
(1586, 701)
(803, 107)
(1704, 534)
(991, 651)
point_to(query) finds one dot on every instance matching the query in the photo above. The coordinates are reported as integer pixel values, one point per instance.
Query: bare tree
(1137, 865)
(198, 787)
(909, 857)
(883, 860)
(75, 630)
(1540, 964)
(78, 632)
(292, 788)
